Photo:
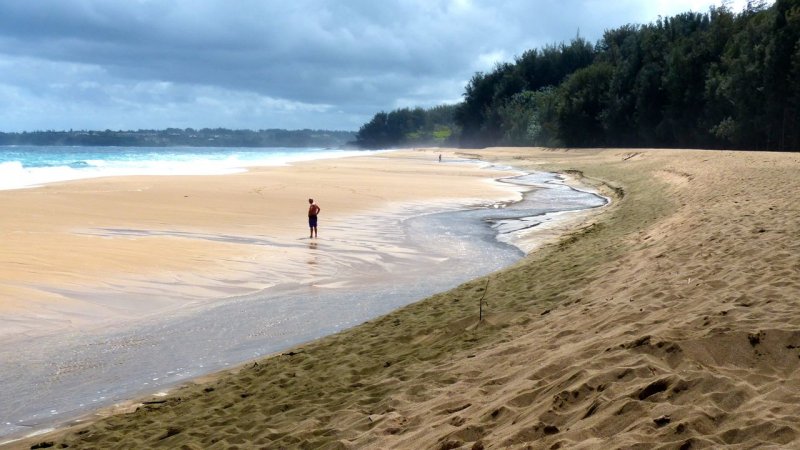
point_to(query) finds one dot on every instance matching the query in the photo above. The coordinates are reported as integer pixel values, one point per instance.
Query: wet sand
(103, 252)
(374, 263)
(670, 320)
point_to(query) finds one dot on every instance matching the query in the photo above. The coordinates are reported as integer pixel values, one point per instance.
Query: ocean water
(29, 166)
(59, 378)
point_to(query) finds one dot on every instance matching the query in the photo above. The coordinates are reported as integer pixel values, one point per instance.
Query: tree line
(410, 127)
(189, 137)
(704, 80)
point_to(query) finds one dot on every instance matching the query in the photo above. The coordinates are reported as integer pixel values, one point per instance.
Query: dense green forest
(409, 127)
(206, 137)
(722, 79)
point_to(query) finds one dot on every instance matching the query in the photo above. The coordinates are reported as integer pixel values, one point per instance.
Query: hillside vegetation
(714, 80)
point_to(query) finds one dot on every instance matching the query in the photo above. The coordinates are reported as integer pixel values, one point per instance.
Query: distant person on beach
(313, 210)
(440, 157)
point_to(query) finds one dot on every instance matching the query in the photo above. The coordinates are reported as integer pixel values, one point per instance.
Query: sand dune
(672, 320)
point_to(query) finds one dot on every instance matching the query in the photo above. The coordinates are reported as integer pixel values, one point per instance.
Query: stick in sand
(480, 302)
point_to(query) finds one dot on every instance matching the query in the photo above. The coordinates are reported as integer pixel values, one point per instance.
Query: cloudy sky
(107, 64)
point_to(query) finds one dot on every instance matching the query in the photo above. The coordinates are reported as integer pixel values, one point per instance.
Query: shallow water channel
(55, 379)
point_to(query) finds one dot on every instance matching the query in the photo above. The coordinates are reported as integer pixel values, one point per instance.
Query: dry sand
(108, 251)
(670, 321)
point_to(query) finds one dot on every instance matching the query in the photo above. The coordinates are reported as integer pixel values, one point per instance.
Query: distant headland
(189, 137)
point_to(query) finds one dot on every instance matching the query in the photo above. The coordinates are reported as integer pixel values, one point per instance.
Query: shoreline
(80, 163)
(517, 188)
(552, 227)
(167, 234)
(669, 322)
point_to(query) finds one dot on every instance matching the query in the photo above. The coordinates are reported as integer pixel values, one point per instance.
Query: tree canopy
(406, 127)
(715, 80)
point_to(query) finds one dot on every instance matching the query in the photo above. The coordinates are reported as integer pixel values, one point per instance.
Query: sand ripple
(672, 321)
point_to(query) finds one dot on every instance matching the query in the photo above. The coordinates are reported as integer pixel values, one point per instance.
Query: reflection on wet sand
(368, 265)
(313, 254)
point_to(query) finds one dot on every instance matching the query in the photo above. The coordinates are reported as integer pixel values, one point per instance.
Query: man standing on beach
(313, 210)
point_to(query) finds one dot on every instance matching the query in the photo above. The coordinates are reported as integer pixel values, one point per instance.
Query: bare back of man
(313, 211)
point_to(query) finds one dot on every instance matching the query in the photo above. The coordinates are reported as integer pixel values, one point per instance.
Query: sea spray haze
(27, 166)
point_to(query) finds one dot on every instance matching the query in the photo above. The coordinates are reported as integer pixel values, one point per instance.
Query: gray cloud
(263, 64)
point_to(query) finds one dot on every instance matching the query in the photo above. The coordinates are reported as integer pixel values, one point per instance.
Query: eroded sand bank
(671, 321)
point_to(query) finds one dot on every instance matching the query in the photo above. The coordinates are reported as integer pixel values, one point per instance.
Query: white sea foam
(16, 175)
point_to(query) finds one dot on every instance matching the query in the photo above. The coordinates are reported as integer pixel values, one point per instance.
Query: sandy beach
(106, 251)
(670, 320)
